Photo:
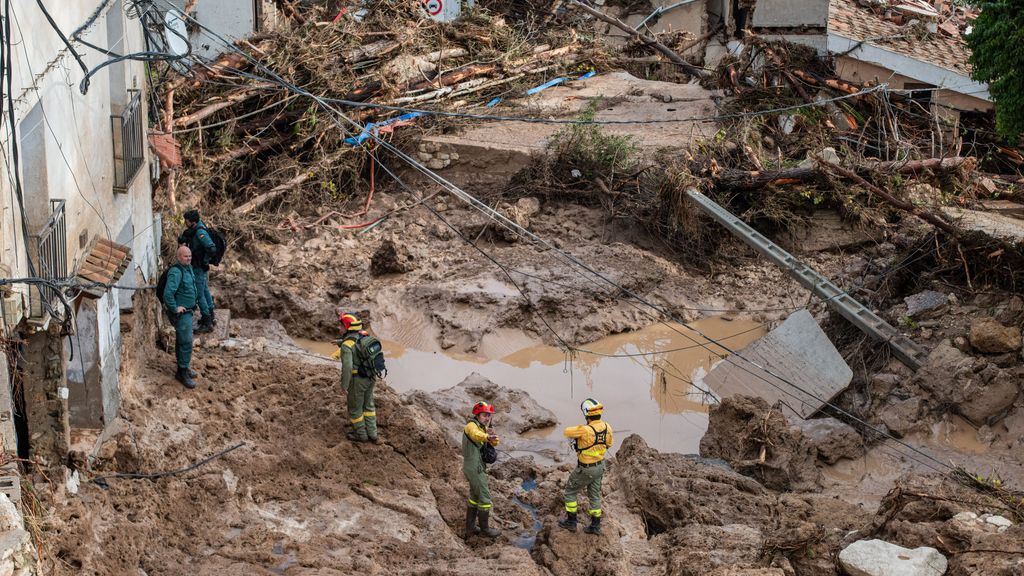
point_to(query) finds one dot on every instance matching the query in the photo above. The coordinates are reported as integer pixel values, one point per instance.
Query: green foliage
(593, 151)
(998, 58)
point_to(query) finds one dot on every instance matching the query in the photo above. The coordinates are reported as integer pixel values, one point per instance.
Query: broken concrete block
(880, 558)
(798, 351)
(392, 258)
(989, 336)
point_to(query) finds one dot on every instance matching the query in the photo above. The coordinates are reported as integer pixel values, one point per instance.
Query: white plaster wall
(79, 146)
(230, 19)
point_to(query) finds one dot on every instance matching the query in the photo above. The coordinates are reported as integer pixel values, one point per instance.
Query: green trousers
(183, 339)
(203, 288)
(588, 477)
(361, 411)
(479, 492)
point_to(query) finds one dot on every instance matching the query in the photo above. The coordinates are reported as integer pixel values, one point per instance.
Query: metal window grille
(129, 144)
(51, 259)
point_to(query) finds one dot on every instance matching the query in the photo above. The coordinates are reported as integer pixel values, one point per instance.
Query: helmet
(482, 407)
(591, 407)
(350, 321)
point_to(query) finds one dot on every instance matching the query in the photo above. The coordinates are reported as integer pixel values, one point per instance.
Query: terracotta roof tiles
(850, 20)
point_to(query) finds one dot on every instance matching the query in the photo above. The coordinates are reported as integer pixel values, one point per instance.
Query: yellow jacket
(477, 434)
(587, 450)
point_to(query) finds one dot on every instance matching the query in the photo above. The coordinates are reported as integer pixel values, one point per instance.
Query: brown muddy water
(644, 378)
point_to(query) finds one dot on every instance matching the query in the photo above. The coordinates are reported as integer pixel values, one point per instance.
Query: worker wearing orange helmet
(591, 441)
(357, 379)
(478, 442)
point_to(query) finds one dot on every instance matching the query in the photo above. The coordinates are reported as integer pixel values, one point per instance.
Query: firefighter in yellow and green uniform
(362, 413)
(475, 435)
(590, 441)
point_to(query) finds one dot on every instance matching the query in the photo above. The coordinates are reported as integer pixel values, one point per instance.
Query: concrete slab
(491, 152)
(826, 230)
(998, 226)
(800, 352)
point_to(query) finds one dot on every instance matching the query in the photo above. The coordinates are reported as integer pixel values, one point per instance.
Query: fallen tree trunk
(749, 180)
(246, 150)
(925, 215)
(646, 39)
(212, 109)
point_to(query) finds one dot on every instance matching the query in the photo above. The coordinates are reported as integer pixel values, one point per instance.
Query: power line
(551, 249)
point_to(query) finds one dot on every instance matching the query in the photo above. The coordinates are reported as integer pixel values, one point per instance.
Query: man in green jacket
(474, 435)
(180, 296)
(362, 413)
(198, 240)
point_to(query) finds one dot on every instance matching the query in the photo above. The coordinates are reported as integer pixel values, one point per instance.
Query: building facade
(75, 206)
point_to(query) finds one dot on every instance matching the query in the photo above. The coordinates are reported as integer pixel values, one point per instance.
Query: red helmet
(482, 407)
(350, 321)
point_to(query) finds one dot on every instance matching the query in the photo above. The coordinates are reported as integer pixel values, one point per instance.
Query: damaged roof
(848, 19)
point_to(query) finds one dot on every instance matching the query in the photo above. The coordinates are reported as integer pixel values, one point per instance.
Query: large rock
(901, 416)
(392, 258)
(450, 408)
(989, 395)
(834, 440)
(673, 490)
(741, 426)
(880, 558)
(989, 336)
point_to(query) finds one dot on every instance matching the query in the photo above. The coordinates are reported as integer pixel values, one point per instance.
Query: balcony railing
(50, 259)
(129, 142)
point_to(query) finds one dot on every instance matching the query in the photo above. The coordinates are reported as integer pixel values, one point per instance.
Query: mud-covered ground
(299, 499)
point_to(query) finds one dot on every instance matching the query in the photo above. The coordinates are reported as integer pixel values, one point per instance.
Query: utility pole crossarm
(867, 321)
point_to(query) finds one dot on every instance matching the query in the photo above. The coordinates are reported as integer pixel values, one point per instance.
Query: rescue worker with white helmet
(475, 435)
(591, 441)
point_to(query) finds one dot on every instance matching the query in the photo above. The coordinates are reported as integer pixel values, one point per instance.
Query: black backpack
(371, 357)
(222, 246)
(161, 284)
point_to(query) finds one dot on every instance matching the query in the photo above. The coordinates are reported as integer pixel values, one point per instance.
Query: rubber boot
(205, 325)
(569, 523)
(355, 438)
(183, 376)
(470, 522)
(192, 373)
(485, 530)
(213, 317)
(595, 525)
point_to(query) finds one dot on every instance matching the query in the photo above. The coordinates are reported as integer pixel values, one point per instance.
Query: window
(129, 143)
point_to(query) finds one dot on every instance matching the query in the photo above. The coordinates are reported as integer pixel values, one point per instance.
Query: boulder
(880, 558)
(989, 396)
(392, 258)
(989, 336)
(740, 427)
(521, 212)
(901, 416)
(834, 440)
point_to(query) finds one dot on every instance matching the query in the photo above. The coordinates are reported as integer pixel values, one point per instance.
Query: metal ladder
(867, 321)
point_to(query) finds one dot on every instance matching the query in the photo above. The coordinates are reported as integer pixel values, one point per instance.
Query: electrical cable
(84, 86)
(101, 480)
(551, 249)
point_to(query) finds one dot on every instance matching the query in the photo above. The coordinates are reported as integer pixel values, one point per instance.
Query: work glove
(336, 355)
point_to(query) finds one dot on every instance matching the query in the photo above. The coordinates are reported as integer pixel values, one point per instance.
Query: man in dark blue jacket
(180, 296)
(198, 240)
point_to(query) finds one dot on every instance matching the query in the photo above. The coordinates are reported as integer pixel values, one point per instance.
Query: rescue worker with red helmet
(477, 433)
(362, 413)
(591, 441)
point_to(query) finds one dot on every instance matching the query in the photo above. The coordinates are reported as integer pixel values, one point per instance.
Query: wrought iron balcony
(129, 142)
(50, 259)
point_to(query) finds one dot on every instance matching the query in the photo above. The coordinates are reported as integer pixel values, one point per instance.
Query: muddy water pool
(644, 378)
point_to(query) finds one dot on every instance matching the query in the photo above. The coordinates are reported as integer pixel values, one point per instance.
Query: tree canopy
(997, 57)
